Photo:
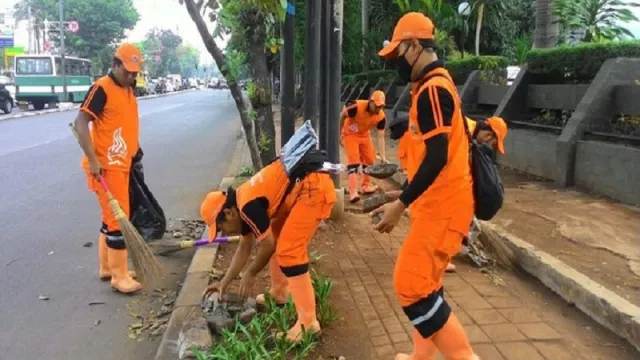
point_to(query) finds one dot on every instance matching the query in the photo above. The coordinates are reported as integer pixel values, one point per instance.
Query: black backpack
(488, 190)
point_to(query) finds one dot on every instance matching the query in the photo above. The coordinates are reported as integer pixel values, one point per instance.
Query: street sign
(73, 26)
(6, 36)
(13, 51)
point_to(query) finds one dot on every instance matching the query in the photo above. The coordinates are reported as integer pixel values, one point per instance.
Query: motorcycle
(6, 101)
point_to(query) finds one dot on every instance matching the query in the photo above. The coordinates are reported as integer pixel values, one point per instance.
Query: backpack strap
(472, 142)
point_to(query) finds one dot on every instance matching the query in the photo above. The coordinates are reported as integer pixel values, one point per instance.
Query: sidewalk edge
(76, 106)
(600, 304)
(187, 327)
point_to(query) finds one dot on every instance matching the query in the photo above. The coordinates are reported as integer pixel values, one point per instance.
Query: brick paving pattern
(499, 325)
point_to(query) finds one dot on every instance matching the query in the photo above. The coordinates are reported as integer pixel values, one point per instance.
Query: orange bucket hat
(413, 25)
(130, 56)
(209, 210)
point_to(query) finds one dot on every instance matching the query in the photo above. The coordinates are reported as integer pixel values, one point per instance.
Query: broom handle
(202, 242)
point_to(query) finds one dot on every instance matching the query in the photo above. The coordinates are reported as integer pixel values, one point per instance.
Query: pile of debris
(184, 229)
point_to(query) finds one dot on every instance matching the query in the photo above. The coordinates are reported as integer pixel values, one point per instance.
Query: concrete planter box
(559, 97)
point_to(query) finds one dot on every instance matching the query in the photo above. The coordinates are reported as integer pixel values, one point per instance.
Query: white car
(9, 85)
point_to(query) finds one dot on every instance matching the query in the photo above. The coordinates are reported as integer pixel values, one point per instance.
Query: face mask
(403, 68)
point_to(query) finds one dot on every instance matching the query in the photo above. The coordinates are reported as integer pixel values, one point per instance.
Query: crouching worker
(282, 216)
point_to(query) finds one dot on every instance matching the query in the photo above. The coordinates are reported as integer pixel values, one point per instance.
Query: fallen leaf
(43, 297)
(97, 303)
(135, 326)
(96, 323)
(88, 244)
(50, 252)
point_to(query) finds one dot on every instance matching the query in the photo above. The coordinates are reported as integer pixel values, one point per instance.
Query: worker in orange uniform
(283, 222)
(356, 122)
(111, 107)
(439, 194)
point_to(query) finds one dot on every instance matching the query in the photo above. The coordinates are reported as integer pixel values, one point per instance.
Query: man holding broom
(109, 147)
(439, 194)
(282, 216)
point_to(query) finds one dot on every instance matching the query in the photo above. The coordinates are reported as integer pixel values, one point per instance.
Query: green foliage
(600, 18)
(188, 59)
(577, 64)
(165, 44)
(258, 339)
(460, 69)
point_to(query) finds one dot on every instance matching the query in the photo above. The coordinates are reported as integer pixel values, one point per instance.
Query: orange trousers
(295, 223)
(118, 184)
(360, 150)
(423, 258)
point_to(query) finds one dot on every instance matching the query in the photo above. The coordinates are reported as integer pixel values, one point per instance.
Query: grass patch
(257, 340)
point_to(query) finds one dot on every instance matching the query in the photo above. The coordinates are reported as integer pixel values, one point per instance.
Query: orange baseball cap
(413, 25)
(130, 56)
(209, 210)
(499, 127)
(378, 98)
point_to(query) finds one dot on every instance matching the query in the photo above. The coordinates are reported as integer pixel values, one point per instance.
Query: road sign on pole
(73, 26)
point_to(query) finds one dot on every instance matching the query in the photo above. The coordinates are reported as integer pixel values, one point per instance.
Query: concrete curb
(187, 327)
(602, 305)
(76, 106)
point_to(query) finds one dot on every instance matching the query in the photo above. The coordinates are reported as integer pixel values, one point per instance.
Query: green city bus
(38, 80)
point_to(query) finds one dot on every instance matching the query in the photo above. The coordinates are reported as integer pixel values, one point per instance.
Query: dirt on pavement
(598, 237)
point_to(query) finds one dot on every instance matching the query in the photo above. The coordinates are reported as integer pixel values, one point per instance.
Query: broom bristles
(498, 249)
(144, 260)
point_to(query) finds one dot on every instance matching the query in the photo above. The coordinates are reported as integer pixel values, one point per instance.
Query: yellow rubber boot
(452, 341)
(367, 186)
(104, 273)
(423, 349)
(120, 279)
(304, 299)
(353, 187)
(279, 286)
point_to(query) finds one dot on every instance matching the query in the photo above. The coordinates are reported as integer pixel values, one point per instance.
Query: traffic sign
(73, 26)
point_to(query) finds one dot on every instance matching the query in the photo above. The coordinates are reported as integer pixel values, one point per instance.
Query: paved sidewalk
(506, 316)
(593, 235)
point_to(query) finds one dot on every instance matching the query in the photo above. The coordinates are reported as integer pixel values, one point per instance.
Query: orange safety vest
(363, 122)
(450, 196)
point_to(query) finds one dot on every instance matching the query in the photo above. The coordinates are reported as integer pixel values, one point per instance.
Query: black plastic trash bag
(147, 215)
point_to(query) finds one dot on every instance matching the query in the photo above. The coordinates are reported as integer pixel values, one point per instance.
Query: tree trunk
(479, 27)
(261, 98)
(365, 30)
(242, 105)
(547, 31)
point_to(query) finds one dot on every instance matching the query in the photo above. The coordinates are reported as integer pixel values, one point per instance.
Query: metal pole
(325, 35)
(311, 62)
(287, 126)
(335, 104)
(62, 62)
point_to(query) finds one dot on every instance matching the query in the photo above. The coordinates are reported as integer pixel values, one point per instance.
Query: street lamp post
(62, 62)
(464, 9)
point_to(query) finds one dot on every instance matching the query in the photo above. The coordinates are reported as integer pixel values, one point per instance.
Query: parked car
(6, 100)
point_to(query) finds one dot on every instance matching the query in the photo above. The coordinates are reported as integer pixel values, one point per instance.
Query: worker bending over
(109, 147)
(439, 194)
(489, 134)
(282, 217)
(356, 122)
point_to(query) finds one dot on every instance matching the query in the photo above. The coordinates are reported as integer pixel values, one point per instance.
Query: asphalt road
(47, 214)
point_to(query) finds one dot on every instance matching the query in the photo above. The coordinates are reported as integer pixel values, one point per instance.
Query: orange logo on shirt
(118, 149)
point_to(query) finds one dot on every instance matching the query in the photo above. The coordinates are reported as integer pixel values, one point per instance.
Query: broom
(143, 258)
(168, 247)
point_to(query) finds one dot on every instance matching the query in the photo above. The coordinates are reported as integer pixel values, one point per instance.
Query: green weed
(257, 340)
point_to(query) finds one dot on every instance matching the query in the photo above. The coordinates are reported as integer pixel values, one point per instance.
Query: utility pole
(311, 62)
(287, 126)
(335, 103)
(325, 36)
(30, 30)
(62, 62)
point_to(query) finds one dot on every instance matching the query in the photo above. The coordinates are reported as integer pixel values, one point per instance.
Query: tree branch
(207, 38)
